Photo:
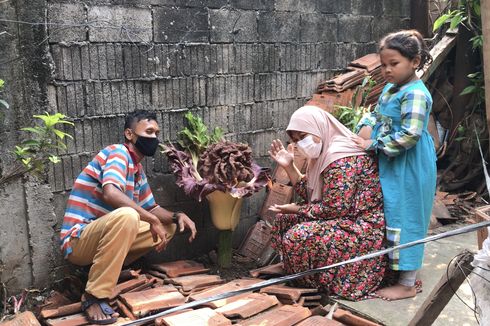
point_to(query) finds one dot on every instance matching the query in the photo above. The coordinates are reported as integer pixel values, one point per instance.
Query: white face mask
(309, 148)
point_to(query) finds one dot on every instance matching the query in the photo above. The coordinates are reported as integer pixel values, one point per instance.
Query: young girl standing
(397, 132)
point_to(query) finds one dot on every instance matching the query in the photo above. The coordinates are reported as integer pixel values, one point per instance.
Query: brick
(232, 26)
(296, 5)
(126, 24)
(349, 27)
(66, 13)
(203, 316)
(248, 306)
(283, 316)
(318, 28)
(278, 27)
(159, 298)
(180, 25)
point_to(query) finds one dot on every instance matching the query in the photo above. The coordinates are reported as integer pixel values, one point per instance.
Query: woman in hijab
(341, 215)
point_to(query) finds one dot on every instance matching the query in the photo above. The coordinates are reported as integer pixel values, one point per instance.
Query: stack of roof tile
(339, 90)
(141, 294)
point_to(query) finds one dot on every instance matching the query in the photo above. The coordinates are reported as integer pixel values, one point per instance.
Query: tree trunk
(485, 17)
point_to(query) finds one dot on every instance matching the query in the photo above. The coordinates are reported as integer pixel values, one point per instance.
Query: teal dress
(407, 167)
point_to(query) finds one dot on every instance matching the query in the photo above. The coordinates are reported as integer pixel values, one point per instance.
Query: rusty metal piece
(248, 306)
(141, 303)
(283, 316)
(204, 316)
(180, 268)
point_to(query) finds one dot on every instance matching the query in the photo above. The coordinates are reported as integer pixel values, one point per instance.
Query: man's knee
(127, 218)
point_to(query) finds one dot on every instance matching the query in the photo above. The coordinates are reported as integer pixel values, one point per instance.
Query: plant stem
(224, 248)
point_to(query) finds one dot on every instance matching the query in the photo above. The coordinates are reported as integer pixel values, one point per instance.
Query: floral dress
(346, 223)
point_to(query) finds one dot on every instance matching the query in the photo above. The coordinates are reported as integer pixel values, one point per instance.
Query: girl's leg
(405, 288)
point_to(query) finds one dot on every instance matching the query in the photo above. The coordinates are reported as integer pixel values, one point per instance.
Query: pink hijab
(336, 139)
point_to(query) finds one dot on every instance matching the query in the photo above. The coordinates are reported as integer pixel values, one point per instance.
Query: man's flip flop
(104, 307)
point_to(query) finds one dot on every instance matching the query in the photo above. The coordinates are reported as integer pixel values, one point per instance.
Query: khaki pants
(108, 243)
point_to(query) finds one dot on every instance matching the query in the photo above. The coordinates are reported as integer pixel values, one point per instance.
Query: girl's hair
(409, 43)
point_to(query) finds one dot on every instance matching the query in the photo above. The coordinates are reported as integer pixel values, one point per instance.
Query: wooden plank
(439, 53)
(443, 291)
(485, 16)
(419, 10)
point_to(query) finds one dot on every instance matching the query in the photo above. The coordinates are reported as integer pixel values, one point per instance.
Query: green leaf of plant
(456, 20)
(36, 130)
(54, 159)
(440, 21)
(469, 90)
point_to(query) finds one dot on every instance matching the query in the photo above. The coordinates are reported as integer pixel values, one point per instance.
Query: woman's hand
(285, 209)
(362, 143)
(284, 157)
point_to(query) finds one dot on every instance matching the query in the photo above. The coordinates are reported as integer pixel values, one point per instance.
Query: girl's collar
(408, 84)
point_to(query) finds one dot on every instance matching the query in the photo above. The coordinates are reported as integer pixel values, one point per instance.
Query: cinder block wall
(242, 65)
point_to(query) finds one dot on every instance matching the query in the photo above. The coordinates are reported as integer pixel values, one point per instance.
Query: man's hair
(138, 115)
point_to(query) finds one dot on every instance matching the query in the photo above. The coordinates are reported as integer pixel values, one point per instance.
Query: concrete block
(318, 28)
(88, 141)
(278, 26)
(232, 26)
(367, 7)
(334, 7)
(387, 25)
(349, 27)
(85, 61)
(14, 238)
(296, 5)
(102, 60)
(94, 61)
(67, 13)
(120, 24)
(253, 4)
(396, 8)
(180, 25)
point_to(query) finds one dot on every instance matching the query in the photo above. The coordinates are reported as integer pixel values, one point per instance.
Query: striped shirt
(112, 165)
(414, 108)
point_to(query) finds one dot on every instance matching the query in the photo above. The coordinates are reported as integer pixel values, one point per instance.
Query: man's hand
(285, 209)
(158, 231)
(184, 222)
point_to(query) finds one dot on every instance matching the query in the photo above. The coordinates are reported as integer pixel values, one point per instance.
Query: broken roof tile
(256, 240)
(275, 269)
(319, 321)
(228, 287)
(349, 318)
(157, 298)
(369, 62)
(65, 310)
(199, 317)
(128, 285)
(26, 318)
(71, 320)
(191, 282)
(283, 316)
(248, 306)
(287, 292)
(180, 268)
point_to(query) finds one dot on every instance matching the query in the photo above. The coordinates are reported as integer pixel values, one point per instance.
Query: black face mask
(146, 145)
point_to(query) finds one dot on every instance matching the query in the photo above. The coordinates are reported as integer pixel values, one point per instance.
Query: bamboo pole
(485, 19)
